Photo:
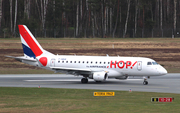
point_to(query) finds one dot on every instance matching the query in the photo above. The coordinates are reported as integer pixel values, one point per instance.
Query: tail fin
(30, 45)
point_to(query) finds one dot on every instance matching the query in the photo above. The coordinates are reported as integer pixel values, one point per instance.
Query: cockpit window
(149, 63)
(154, 63)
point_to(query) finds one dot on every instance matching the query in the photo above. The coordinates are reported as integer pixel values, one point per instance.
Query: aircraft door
(139, 66)
(52, 63)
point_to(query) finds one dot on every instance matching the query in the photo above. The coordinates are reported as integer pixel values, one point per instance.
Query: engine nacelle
(122, 77)
(100, 76)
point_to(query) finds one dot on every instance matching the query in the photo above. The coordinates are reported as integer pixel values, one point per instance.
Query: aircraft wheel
(98, 81)
(84, 80)
(145, 82)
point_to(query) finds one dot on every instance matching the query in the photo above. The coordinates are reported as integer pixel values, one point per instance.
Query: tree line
(90, 18)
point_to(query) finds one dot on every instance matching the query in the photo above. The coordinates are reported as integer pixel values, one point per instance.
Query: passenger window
(104, 62)
(74, 61)
(79, 62)
(66, 61)
(100, 62)
(91, 62)
(70, 61)
(83, 62)
(149, 63)
(62, 61)
(87, 62)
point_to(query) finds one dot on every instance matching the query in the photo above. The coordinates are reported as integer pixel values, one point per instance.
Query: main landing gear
(145, 81)
(84, 80)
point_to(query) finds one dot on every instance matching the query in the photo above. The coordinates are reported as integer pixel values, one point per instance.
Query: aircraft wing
(74, 71)
(22, 58)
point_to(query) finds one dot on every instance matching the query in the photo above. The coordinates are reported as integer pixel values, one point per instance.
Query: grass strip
(82, 100)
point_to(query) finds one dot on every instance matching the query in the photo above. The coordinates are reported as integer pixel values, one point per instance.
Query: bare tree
(39, 10)
(105, 20)
(81, 16)
(102, 18)
(127, 17)
(77, 18)
(92, 15)
(120, 15)
(42, 11)
(87, 16)
(164, 11)
(15, 18)
(152, 14)
(96, 25)
(175, 11)
(11, 15)
(157, 12)
(64, 18)
(168, 5)
(161, 14)
(116, 19)
(27, 8)
(54, 7)
(0, 12)
(110, 20)
(136, 12)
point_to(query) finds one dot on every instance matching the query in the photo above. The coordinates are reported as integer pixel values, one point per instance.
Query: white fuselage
(114, 66)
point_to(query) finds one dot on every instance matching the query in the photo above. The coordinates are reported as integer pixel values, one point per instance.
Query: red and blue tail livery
(98, 68)
(30, 45)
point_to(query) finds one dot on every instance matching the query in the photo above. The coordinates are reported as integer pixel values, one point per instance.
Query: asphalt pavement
(169, 83)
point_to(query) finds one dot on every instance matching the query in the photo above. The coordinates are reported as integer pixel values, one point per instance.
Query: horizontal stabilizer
(22, 58)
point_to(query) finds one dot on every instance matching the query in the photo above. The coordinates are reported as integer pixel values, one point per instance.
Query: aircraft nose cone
(163, 71)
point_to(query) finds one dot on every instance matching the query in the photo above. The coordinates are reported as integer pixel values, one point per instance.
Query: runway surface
(169, 83)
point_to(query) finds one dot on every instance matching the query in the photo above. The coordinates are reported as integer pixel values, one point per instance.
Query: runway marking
(37, 76)
(77, 80)
(129, 86)
(99, 85)
(51, 80)
(130, 80)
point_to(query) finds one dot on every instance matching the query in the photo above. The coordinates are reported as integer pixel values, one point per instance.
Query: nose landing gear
(145, 81)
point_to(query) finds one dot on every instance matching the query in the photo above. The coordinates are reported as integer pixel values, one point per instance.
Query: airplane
(99, 68)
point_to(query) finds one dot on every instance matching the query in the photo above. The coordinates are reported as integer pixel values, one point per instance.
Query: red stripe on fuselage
(29, 40)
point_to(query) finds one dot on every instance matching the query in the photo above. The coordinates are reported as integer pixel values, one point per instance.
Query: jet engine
(99, 76)
(122, 77)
